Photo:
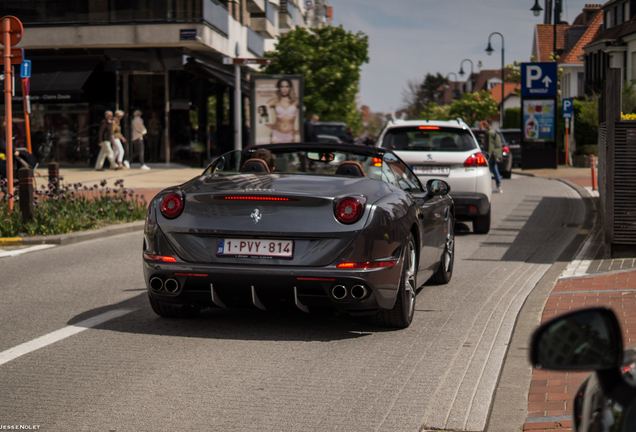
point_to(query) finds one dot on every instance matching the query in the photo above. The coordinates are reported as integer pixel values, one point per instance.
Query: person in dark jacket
(105, 139)
(310, 131)
(492, 146)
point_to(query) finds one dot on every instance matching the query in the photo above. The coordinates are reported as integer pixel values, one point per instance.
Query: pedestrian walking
(492, 146)
(138, 132)
(154, 137)
(118, 138)
(310, 130)
(104, 137)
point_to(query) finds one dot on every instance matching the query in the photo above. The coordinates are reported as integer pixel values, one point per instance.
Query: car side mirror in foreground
(587, 339)
(437, 187)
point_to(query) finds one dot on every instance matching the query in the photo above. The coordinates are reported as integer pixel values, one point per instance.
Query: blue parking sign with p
(539, 79)
(25, 69)
(567, 108)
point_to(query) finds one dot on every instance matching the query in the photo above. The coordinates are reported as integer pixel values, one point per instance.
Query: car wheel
(168, 310)
(506, 174)
(481, 224)
(445, 271)
(402, 313)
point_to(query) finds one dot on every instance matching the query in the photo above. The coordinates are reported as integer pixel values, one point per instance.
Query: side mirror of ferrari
(587, 339)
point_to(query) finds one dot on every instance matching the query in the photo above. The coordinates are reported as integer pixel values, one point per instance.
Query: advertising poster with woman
(277, 109)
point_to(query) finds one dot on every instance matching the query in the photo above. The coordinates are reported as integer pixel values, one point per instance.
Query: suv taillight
(349, 210)
(476, 160)
(172, 204)
(505, 149)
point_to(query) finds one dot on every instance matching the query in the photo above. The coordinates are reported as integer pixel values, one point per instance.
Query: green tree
(512, 118)
(329, 59)
(629, 98)
(416, 96)
(474, 107)
(433, 111)
(586, 121)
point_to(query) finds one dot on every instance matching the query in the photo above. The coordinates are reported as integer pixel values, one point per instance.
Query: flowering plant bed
(75, 207)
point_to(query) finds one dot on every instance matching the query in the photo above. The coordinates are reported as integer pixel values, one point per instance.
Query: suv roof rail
(460, 120)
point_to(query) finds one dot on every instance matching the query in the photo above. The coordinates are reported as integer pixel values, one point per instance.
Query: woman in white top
(138, 132)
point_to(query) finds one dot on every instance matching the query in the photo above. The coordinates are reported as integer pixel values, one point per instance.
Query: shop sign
(188, 34)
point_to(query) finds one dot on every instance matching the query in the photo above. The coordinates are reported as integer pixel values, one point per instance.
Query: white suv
(446, 150)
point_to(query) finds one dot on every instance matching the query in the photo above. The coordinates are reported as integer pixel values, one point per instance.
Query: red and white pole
(593, 165)
(6, 30)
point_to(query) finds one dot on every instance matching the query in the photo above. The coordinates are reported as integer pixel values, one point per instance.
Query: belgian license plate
(262, 248)
(432, 170)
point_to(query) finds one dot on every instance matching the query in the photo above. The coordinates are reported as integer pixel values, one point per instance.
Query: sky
(410, 38)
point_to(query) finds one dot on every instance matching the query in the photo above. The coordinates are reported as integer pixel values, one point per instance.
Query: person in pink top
(284, 109)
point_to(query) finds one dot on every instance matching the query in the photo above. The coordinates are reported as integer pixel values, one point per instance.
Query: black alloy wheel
(168, 310)
(481, 224)
(444, 273)
(402, 313)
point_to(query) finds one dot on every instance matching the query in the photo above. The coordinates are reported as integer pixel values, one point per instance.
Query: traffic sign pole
(6, 29)
(27, 111)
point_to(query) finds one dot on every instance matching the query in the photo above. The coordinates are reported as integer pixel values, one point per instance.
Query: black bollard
(54, 177)
(26, 193)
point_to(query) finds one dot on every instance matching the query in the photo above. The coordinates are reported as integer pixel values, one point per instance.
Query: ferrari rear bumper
(356, 292)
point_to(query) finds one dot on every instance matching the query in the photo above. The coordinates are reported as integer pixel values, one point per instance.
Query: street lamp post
(447, 82)
(489, 51)
(461, 71)
(536, 10)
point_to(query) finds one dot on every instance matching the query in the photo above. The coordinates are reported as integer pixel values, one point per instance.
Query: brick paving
(551, 392)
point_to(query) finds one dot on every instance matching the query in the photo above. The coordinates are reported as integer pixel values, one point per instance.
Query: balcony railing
(270, 12)
(82, 12)
(255, 43)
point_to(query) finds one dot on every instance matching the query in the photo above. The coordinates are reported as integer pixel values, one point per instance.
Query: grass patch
(76, 207)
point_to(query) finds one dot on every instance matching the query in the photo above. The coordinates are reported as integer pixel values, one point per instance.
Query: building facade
(162, 57)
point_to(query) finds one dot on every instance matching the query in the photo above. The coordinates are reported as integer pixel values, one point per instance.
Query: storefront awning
(59, 79)
(218, 74)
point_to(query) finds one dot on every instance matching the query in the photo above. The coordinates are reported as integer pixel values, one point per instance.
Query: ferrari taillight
(367, 265)
(349, 210)
(172, 204)
(161, 258)
(476, 160)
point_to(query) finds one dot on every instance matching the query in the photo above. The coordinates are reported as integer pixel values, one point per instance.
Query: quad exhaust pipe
(157, 284)
(339, 292)
(171, 285)
(359, 292)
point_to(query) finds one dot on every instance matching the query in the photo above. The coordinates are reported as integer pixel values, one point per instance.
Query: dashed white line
(58, 335)
(24, 250)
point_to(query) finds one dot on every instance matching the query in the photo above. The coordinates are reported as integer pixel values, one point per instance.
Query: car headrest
(351, 169)
(447, 143)
(255, 166)
(400, 141)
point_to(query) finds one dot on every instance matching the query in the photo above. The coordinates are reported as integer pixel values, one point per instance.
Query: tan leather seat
(351, 169)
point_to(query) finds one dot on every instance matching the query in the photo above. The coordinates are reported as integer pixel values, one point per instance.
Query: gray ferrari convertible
(320, 227)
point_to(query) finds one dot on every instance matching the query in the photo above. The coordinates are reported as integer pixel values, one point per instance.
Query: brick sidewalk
(551, 392)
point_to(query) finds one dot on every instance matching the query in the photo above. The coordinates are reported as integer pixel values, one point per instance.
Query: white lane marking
(25, 250)
(579, 266)
(58, 335)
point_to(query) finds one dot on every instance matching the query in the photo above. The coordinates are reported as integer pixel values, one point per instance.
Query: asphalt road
(248, 370)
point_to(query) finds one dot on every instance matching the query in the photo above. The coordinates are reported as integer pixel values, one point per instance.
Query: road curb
(10, 241)
(510, 400)
(76, 237)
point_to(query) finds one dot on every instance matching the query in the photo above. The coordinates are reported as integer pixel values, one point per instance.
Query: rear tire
(481, 224)
(168, 310)
(402, 313)
(506, 174)
(444, 273)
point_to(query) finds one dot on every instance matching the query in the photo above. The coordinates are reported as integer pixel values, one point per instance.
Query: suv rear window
(512, 137)
(428, 138)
